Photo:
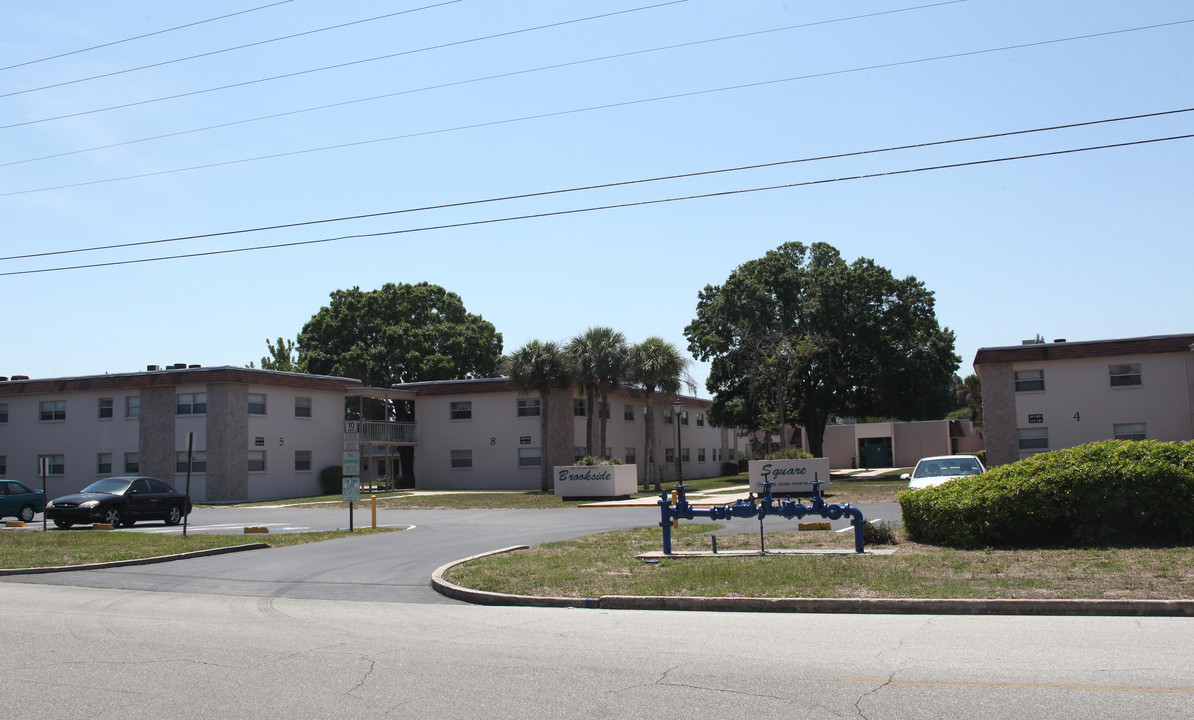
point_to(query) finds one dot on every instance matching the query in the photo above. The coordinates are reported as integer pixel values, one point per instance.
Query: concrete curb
(138, 561)
(907, 606)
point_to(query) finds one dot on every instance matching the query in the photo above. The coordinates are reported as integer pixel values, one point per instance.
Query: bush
(331, 480)
(789, 454)
(730, 468)
(590, 460)
(879, 533)
(1105, 493)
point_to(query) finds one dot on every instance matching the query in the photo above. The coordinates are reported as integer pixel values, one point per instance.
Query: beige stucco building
(1047, 396)
(259, 434)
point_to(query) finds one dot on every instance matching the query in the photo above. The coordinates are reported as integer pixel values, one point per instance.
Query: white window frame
(132, 406)
(132, 463)
(1028, 381)
(578, 408)
(51, 411)
(1130, 431)
(3, 465)
(460, 410)
(260, 404)
(460, 459)
(629, 413)
(1034, 436)
(303, 461)
(57, 465)
(103, 463)
(198, 462)
(302, 407)
(630, 456)
(529, 407)
(530, 457)
(256, 462)
(3, 413)
(1124, 375)
(190, 404)
(108, 408)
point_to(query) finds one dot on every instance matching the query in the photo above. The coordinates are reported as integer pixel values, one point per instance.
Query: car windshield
(947, 467)
(112, 486)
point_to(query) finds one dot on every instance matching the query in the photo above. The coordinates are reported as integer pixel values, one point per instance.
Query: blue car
(17, 500)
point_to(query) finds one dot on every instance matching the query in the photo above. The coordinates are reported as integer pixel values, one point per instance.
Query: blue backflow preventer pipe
(676, 506)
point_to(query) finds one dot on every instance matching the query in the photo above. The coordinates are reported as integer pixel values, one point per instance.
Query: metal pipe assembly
(676, 506)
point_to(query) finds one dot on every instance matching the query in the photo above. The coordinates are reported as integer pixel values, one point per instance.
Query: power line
(337, 66)
(141, 37)
(230, 49)
(574, 111)
(514, 73)
(604, 186)
(617, 206)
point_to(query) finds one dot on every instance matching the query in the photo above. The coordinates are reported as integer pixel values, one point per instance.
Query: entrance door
(875, 452)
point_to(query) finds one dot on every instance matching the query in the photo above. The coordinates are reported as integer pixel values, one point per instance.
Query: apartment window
(56, 464)
(192, 404)
(132, 463)
(630, 456)
(105, 408)
(684, 455)
(256, 461)
(700, 454)
(52, 410)
(628, 413)
(578, 407)
(732, 453)
(103, 464)
(578, 453)
(132, 406)
(1030, 380)
(684, 417)
(256, 404)
(3, 465)
(1129, 431)
(667, 416)
(669, 455)
(700, 419)
(461, 410)
(302, 461)
(1034, 439)
(198, 462)
(462, 459)
(302, 407)
(1125, 375)
(528, 408)
(529, 457)
(3, 413)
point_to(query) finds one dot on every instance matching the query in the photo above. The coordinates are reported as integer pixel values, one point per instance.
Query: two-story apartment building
(259, 434)
(1048, 396)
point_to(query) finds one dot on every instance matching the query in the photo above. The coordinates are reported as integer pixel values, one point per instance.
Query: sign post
(45, 470)
(351, 462)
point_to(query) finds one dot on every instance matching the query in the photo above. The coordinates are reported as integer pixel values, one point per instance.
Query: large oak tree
(799, 336)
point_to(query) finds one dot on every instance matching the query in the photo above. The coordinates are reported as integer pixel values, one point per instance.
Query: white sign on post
(789, 475)
(352, 489)
(351, 462)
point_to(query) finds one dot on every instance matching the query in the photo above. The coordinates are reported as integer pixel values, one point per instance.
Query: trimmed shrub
(331, 480)
(1105, 493)
(789, 454)
(729, 468)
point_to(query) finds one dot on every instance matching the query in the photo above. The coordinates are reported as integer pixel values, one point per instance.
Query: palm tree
(539, 367)
(656, 365)
(598, 360)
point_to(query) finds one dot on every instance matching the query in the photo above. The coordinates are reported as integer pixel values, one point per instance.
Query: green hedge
(1104, 493)
(331, 480)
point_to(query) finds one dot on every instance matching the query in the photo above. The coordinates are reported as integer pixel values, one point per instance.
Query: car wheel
(112, 517)
(27, 513)
(174, 516)
(63, 524)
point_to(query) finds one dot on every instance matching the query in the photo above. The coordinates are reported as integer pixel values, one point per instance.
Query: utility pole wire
(225, 50)
(602, 186)
(573, 111)
(617, 206)
(337, 66)
(141, 37)
(498, 76)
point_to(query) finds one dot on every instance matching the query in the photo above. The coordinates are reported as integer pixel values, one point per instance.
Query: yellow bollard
(373, 503)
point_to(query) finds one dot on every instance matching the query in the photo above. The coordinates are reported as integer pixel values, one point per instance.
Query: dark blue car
(120, 501)
(17, 500)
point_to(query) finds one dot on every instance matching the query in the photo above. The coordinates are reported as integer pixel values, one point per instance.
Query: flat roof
(168, 377)
(1038, 352)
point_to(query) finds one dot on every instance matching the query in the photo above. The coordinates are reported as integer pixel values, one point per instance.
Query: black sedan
(120, 501)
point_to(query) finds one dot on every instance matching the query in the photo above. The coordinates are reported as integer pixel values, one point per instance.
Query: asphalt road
(388, 567)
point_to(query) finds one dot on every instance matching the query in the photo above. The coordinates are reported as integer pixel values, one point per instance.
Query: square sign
(789, 475)
(352, 489)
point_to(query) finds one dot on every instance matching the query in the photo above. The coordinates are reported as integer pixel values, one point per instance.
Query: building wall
(1078, 403)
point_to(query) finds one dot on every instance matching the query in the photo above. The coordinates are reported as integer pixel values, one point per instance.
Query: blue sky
(1083, 246)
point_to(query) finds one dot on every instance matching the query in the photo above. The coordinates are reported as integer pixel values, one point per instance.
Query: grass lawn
(33, 548)
(605, 565)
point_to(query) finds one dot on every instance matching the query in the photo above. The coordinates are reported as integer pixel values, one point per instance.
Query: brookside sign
(595, 480)
(789, 475)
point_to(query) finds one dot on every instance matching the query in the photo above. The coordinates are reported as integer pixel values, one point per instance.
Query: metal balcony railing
(373, 431)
